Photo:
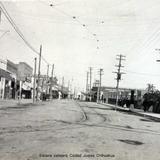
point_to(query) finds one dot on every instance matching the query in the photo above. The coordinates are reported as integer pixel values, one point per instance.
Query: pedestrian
(145, 104)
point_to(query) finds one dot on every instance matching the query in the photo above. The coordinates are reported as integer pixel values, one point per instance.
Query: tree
(150, 88)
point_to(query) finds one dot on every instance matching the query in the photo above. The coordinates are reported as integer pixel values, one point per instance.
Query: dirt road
(65, 129)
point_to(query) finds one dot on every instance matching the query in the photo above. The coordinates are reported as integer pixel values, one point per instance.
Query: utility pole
(99, 84)
(98, 91)
(71, 89)
(20, 91)
(39, 71)
(62, 87)
(74, 92)
(118, 73)
(68, 89)
(47, 79)
(34, 82)
(51, 83)
(90, 70)
(87, 86)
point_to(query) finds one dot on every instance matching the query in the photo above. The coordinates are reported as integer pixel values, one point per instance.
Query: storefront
(5, 78)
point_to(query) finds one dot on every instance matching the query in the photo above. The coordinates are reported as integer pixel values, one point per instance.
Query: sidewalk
(140, 112)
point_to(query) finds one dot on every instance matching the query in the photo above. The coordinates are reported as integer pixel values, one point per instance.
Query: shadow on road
(132, 142)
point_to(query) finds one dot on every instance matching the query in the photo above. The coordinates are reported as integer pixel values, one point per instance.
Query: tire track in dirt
(89, 116)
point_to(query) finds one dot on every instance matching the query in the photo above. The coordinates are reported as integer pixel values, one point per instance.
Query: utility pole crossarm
(118, 65)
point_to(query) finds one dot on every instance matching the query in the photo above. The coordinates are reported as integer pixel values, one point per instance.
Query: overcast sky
(78, 34)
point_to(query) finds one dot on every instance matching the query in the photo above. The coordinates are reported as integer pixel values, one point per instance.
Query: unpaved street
(65, 129)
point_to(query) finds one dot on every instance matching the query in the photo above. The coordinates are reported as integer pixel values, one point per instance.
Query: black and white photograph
(79, 79)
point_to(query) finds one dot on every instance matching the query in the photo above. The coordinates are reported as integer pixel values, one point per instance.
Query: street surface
(66, 129)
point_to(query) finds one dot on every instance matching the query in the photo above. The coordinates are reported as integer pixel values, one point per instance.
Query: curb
(147, 116)
(133, 112)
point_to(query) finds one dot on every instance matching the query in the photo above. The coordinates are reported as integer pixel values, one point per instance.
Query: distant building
(24, 71)
(108, 94)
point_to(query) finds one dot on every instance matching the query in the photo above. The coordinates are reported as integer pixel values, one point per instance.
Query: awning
(55, 88)
(26, 86)
(5, 74)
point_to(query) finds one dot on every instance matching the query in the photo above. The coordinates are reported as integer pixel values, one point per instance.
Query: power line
(18, 31)
(15, 27)
(141, 73)
(148, 41)
(58, 4)
(4, 33)
(48, 20)
(73, 17)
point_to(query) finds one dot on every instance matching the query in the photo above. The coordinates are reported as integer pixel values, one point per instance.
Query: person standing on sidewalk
(145, 104)
(131, 107)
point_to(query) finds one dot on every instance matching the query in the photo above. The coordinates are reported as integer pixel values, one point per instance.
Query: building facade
(25, 77)
(108, 94)
(24, 71)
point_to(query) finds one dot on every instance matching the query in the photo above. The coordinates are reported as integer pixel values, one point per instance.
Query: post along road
(66, 129)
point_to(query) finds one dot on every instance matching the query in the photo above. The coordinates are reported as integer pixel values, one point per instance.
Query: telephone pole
(34, 82)
(90, 85)
(47, 79)
(51, 82)
(39, 72)
(87, 86)
(68, 89)
(74, 92)
(118, 73)
(71, 89)
(62, 87)
(99, 84)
